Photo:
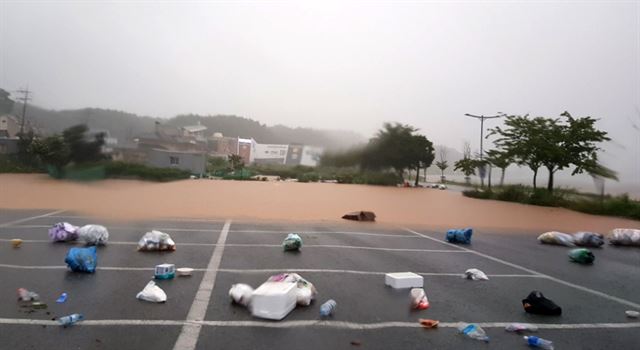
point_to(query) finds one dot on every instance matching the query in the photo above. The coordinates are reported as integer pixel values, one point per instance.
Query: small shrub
(513, 193)
(309, 177)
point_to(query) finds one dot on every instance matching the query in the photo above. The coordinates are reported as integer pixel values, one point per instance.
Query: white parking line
(302, 232)
(11, 223)
(152, 219)
(522, 268)
(129, 228)
(188, 337)
(313, 323)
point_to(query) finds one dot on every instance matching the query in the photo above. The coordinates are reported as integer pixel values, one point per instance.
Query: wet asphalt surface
(252, 253)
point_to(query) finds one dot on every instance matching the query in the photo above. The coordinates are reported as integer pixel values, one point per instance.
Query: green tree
(442, 163)
(235, 162)
(216, 163)
(52, 151)
(500, 160)
(421, 154)
(467, 164)
(81, 150)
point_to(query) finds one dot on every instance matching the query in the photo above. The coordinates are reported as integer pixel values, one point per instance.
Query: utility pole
(25, 98)
(482, 118)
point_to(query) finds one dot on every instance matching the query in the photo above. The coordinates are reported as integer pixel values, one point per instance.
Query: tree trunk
(502, 177)
(417, 176)
(535, 175)
(489, 179)
(550, 183)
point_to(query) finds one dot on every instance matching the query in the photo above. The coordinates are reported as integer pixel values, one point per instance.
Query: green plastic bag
(581, 256)
(292, 242)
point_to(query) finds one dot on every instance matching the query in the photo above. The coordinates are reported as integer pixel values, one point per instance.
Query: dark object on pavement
(537, 304)
(581, 256)
(356, 343)
(360, 216)
(462, 236)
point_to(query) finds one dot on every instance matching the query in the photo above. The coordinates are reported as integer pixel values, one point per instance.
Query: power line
(482, 118)
(24, 98)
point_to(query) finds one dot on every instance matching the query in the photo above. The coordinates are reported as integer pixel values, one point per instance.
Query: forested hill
(125, 126)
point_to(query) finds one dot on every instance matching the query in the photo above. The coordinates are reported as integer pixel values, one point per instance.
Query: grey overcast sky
(347, 65)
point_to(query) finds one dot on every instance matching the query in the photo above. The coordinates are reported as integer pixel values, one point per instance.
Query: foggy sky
(336, 65)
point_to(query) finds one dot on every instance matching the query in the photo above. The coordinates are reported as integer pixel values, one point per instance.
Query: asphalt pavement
(346, 262)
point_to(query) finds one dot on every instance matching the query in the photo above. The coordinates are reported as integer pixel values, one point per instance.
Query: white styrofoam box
(403, 280)
(273, 300)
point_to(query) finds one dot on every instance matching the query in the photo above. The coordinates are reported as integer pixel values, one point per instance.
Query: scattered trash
(536, 303)
(241, 293)
(462, 236)
(16, 242)
(292, 242)
(26, 295)
(184, 271)
(399, 280)
(557, 238)
(427, 323)
(588, 239)
(419, 299)
(306, 291)
(62, 298)
(152, 293)
(82, 259)
(625, 236)
(165, 271)
(356, 343)
(360, 216)
(581, 256)
(538, 342)
(520, 327)
(473, 331)
(93, 234)
(38, 305)
(156, 241)
(273, 300)
(476, 275)
(442, 187)
(328, 308)
(70, 320)
(632, 314)
(63, 232)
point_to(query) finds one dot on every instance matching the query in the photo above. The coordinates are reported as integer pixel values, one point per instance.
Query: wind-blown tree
(421, 154)
(500, 160)
(53, 151)
(442, 163)
(235, 162)
(552, 143)
(81, 149)
(467, 164)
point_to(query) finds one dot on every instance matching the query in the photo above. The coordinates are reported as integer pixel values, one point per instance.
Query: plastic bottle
(473, 331)
(539, 342)
(328, 308)
(70, 320)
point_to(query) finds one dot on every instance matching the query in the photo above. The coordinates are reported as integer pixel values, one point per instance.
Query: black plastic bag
(537, 304)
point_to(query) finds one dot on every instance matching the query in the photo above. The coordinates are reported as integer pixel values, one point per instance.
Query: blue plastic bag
(82, 259)
(459, 236)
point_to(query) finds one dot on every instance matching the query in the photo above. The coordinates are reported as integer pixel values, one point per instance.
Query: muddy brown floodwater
(277, 201)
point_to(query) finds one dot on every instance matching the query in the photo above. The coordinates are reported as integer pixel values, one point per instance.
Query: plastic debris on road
(557, 238)
(475, 274)
(62, 298)
(537, 342)
(473, 331)
(632, 313)
(93, 234)
(292, 242)
(27, 295)
(82, 259)
(306, 291)
(360, 216)
(419, 300)
(588, 239)
(152, 293)
(536, 303)
(241, 293)
(581, 256)
(624, 236)
(427, 323)
(184, 271)
(156, 241)
(63, 232)
(164, 271)
(70, 320)
(400, 280)
(276, 297)
(328, 308)
(16, 242)
(521, 327)
(461, 236)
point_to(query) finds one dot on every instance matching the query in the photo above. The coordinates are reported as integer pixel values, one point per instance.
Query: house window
(174, 160)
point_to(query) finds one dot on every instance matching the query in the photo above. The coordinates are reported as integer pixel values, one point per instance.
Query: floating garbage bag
(156, 240)
(152, 293)
(557, 238)
(625, 236)
(588, 239)
(93, 234)
(62, 232)
(360, 216)
(82, 259)
(459, 236)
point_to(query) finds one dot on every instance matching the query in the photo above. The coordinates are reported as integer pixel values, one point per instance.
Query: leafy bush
(309, 177)
(11, 164)
(478, 194)
(513, 193)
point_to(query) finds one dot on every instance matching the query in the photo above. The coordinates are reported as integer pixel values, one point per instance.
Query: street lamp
(482, 118)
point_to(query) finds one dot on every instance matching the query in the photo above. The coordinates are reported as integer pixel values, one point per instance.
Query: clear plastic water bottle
(539, 342)
(473, 331)
(327, 308)
(70, 320)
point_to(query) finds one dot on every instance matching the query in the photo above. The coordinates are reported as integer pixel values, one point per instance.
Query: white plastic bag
(558, 238)
(156, 240)
(241, 293)
(625, 236)
(588, 239)
(306, 291)
(93, 234)
(152, 293)
(476, 275)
